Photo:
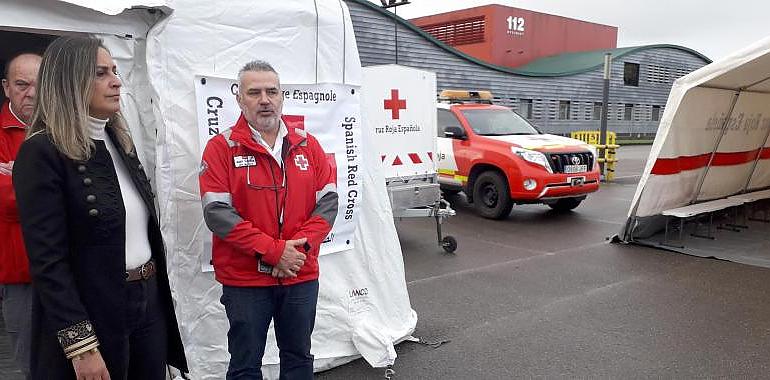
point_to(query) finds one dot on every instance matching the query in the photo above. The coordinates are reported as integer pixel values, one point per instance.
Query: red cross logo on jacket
(301, 162)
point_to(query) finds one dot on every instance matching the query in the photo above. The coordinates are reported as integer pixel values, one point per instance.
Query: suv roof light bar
(465, 96)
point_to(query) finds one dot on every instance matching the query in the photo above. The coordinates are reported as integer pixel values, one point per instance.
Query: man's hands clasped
(6, 168)
(291, 260)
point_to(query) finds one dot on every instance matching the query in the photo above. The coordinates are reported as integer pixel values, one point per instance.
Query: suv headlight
(532, 156)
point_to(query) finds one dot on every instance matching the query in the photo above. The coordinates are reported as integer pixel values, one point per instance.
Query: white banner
(330, 112)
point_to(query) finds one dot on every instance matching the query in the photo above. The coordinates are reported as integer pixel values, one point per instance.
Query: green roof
(553, 66)
(575, 63)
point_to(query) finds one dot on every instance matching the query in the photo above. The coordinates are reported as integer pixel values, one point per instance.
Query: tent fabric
(363, 301)
(712, 141)
(56, 17)
(115, 7)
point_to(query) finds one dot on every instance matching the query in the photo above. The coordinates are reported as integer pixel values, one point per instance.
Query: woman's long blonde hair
(64, 87)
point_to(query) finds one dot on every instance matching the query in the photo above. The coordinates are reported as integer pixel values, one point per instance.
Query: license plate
(575, 168)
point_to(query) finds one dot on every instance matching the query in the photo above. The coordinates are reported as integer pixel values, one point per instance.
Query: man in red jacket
(270, 199)
(19, 84)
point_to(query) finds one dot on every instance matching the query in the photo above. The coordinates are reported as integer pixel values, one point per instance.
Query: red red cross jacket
(14, 267)
(246, 194)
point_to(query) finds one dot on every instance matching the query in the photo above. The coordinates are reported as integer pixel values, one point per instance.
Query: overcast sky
(715, 28)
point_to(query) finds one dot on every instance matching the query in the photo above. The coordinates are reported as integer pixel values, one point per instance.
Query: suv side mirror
(455, 132)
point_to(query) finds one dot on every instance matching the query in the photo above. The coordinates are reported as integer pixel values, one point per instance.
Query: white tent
(159, 47)
(712, 144)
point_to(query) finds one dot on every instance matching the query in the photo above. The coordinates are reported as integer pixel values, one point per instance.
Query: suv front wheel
(491, 196)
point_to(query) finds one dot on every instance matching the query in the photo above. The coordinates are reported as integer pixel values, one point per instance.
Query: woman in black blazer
(103, 306)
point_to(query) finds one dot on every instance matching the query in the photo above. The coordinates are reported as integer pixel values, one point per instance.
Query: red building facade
(513, 37)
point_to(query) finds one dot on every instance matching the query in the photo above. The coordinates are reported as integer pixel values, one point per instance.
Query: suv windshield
(498, 122)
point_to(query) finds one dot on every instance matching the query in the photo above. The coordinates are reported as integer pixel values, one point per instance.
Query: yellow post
(609, 152)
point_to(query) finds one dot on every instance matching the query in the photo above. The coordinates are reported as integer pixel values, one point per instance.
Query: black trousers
(138, 352)
(143, 353)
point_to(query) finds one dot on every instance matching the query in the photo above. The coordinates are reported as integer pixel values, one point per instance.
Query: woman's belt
(143, 272)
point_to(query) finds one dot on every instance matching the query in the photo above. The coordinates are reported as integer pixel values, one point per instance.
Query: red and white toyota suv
(498, 158)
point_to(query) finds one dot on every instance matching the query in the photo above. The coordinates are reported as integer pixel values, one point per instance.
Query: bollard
(607, 154)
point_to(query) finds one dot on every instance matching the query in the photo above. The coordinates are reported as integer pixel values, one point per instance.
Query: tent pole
(742, 89)
(755, 83)
(756, 160)
(761, 147)
(702, 177)
(767, 135)
(605, 109)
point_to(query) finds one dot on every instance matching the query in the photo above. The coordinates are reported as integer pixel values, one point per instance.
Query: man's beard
(267, 123)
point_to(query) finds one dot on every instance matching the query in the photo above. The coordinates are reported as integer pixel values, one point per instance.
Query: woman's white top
(138, 249)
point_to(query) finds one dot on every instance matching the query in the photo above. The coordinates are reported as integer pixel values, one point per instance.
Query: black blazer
(73, 222)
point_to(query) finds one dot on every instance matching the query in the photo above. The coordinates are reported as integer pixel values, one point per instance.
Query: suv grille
(560, 160)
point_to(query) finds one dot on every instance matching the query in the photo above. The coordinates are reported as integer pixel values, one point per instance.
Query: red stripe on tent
(765, 154)
(430, 155)
(397, 161)
(737, 158)
(667, 166)
(382, 158)
(415, 158)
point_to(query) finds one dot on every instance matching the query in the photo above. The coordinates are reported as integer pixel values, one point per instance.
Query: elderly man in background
(19, 84)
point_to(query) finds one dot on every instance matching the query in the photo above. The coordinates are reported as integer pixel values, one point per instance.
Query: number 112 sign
(515, 25)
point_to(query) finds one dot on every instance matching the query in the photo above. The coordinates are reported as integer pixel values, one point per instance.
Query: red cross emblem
(301, 162)
(394, 104)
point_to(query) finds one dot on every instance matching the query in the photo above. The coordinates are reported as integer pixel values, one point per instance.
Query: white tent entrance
(704, 188)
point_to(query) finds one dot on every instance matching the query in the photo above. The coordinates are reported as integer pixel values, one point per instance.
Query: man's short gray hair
(258, 66)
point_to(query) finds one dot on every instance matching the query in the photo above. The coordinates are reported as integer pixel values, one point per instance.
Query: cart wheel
(449, 243)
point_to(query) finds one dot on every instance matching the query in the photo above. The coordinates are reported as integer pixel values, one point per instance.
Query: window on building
(458, 32)
(597, 113)
(628, 111)
(525, 108)
(539, 109)
(631, 74)
(564, 109)
(655, 113)
(444, 119)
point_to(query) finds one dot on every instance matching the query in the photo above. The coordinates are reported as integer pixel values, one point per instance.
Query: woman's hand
(90, 366)
(6, 168)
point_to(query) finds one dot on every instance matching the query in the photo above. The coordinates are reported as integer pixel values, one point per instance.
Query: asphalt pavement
(545, 295)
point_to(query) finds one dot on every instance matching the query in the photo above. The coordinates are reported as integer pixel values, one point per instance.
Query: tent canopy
(749, 74)
(118, 18)
(712, 141)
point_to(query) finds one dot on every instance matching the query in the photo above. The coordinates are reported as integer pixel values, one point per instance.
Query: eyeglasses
(272, 186)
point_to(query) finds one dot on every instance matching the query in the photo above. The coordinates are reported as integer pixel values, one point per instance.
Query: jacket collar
(242, 133)
(8, 119)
